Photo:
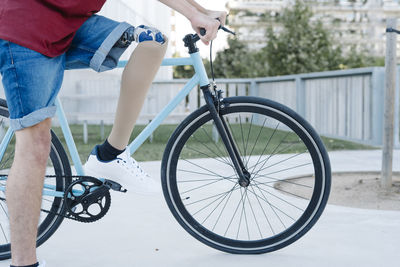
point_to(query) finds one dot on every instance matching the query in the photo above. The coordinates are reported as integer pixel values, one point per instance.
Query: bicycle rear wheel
(58, 165)
(290, 177)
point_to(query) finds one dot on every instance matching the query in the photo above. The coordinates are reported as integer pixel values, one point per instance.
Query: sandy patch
(358, 190)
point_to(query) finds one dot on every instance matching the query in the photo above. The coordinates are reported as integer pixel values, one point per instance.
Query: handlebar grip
(202, 31)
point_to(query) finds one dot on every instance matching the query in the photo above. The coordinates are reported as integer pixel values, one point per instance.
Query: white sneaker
(124, 170)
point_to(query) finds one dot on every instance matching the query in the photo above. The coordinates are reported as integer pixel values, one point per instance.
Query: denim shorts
(32, 80)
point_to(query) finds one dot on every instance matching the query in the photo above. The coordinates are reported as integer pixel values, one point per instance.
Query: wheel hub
(245, 180)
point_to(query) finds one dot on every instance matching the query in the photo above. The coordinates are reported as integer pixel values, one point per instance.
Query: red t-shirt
(46, 26)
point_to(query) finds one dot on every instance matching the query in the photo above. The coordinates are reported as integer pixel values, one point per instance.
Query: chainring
(87, 199)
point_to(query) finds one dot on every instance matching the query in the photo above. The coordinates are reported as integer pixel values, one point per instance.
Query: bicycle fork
(226, 136)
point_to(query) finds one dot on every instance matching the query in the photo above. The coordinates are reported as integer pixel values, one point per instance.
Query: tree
(237, 61)
(302, 46)
(306, 46)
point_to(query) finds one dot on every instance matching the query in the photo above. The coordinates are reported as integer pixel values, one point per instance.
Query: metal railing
(346, 104)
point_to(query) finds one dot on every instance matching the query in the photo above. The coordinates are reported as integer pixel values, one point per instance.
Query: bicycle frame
(199, 78)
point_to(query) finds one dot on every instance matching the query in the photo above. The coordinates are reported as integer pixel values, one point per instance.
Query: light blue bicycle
(261, 185)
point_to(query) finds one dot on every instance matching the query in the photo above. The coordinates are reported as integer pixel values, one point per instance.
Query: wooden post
(102, 130)
(85, 132)
(390, 86)
(151, 135)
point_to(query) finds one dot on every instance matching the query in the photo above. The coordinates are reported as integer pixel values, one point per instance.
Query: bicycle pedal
(114, 186)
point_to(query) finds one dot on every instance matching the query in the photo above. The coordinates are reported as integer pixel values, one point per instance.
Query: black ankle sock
(107, 152)
(33, 265)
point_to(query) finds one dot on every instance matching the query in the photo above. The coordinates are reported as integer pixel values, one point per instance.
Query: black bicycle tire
(169, 151)
(62, 169)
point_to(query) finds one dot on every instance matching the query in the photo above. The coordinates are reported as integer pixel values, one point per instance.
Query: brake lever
(227, 30)
(203, 31)
(224, 28)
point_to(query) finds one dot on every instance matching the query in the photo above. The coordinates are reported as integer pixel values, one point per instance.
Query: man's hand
(220, 15)
(211, 26)
(199, 17)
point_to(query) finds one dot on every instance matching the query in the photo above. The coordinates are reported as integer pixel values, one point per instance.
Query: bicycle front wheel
(289, 184)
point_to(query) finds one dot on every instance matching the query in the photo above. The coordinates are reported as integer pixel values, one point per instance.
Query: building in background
(356, 22)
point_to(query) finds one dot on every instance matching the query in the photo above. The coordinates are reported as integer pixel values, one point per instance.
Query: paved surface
(140, 231)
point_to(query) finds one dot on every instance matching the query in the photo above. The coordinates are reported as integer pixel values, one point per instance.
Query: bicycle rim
(57, 164)
(290, 178)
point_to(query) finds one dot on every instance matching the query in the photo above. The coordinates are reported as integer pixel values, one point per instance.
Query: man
(38, 41)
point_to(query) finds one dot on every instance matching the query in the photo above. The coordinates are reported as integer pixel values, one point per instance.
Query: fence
(344, 104)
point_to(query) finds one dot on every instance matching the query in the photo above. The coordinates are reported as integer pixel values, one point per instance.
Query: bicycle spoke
(4, 233)
(278, 197)
(281, 180)
(269, 140)
(222, 153)
(290, 168)
(212, 151)
(201, 173)
(204, 168)
(201, 180)
(247, 142)
(227, 200)
(254, 215)
(261, 206)
(7, 160)
(202, 186)
(2, 207)
(233, 215)
(245, 216)
(258, 136)
(270, 155)
(283, 191)
(206, 206)
(233, 189)
(241, 130)
(208, 156)
(241, 215)
(197, 201)
(234, 139)
(274, 208)
(291, 157)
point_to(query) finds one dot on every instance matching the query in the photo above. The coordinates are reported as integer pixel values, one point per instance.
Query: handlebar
(190, 40)
(203, 32)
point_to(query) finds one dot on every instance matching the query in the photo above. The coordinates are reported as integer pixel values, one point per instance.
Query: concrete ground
(141, 231)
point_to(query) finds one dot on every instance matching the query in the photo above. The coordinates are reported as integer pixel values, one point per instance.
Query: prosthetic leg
(137, 77)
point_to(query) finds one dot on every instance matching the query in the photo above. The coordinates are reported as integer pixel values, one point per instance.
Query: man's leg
(137, 77)
(110, 160)
(24, 190)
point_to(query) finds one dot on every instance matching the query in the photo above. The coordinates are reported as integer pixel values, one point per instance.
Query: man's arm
(198, 19)
(221, 15)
